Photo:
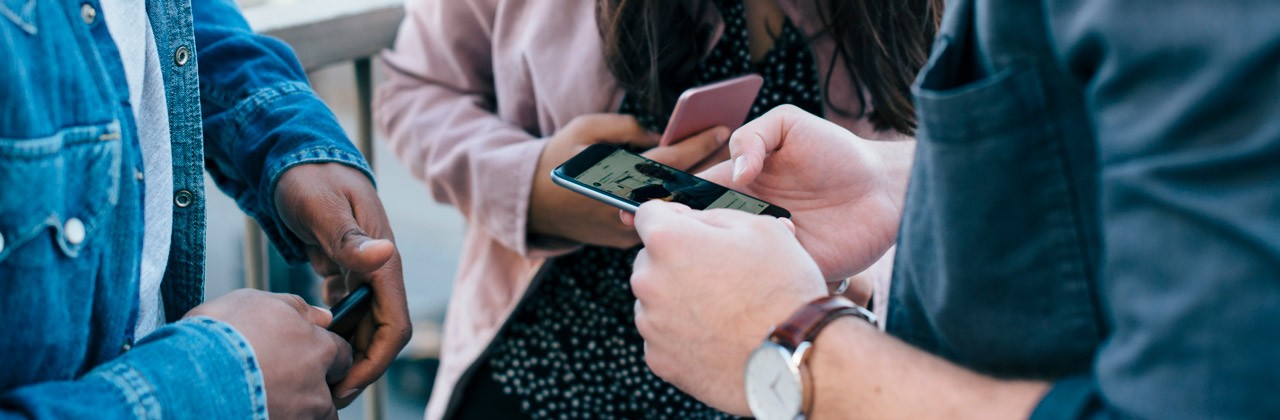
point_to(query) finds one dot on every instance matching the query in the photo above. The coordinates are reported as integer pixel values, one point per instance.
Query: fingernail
(739, 166)
(349, 393)
(368, 242)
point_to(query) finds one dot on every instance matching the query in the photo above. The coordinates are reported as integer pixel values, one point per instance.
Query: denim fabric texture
(1002, 206)
(71, 205)
(1095, 203)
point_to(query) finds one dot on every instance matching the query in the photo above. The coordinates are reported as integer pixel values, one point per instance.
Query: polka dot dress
(790, 76)
(572, 350)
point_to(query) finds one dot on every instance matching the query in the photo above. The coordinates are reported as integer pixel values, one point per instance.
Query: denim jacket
(71, 197)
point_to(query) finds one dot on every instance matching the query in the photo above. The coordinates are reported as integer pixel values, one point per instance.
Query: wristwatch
(778, 382)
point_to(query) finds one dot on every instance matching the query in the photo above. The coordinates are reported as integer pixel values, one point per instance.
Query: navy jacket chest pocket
(994, 219)
(57, 191)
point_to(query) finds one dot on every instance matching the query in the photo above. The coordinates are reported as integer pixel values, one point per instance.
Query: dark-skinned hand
(335, 211)
(297, 355)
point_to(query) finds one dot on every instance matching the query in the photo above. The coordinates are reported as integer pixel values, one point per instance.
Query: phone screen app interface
(638, 179)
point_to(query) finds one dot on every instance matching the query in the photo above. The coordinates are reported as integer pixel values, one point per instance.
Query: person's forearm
(860, 372)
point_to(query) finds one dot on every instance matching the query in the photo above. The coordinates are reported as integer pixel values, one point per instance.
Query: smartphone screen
(625, 180)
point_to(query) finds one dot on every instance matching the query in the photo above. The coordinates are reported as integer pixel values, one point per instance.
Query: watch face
(773, 384)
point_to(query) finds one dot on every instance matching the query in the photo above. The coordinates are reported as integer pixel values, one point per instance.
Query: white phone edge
(596, 195)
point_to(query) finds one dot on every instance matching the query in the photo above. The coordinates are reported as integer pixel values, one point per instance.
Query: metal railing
(326, 33)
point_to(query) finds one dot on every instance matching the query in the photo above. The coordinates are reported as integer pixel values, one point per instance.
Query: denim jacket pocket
(993, 221)
(61, 187)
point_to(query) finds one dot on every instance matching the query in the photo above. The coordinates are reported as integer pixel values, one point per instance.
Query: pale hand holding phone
(554, 211)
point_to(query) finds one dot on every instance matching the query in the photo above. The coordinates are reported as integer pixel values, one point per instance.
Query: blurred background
(337, 41)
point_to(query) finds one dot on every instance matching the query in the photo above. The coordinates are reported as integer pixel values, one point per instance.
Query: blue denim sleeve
(260, 116)
(1184, 100)
(194, 368)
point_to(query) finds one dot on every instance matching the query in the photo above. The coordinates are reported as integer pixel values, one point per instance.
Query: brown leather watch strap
(810, 318)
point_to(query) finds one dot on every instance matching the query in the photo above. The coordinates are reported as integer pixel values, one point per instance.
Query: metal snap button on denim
(88, 13)
(73, 231)
(181, 56)
(126, 347)
(1, 242)
(183, 198)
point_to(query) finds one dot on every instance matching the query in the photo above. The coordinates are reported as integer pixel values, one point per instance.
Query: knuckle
(285, 305)
(641, 287)
(343, 235)
(294, 301)
(787, 110)
(657, 238)
(240, 294)
(763, 224)
(332, 349)
(657, 363)
(644, 324)
(403, 334)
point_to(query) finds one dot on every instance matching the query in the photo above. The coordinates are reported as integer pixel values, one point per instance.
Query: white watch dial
(773, 384)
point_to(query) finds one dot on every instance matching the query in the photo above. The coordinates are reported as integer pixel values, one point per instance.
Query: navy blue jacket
(1096, 202)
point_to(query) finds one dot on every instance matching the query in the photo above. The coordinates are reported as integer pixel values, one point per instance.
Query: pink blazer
(473, 86)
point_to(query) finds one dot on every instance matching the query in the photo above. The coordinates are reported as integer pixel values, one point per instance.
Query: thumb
(656, 215)
(721, 174)
(354, 250)
(758, 138)
(789, 224)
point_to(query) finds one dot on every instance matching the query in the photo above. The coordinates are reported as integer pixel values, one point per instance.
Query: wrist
(861, 370)
(896, 158)
(830, 358)
(541, 220)
(779, 378)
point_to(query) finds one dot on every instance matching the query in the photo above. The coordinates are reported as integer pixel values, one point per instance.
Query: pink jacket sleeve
(437, 109)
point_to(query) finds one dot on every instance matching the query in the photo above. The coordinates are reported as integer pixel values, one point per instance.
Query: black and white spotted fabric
(572, 350)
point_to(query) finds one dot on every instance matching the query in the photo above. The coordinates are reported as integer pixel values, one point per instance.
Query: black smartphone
(624, 180)
(348, 312)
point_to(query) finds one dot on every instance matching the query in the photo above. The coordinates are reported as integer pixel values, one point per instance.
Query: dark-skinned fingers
(372, 362)
(321, 263)
(340, 360)
(331, 413)
(364, 335)
(335, 288)
(351, 248)
(389, 333)
(317, 316)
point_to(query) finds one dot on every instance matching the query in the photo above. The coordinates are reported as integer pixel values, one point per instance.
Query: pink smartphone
(724, 103)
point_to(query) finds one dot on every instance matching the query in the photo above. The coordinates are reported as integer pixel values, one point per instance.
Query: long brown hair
(653, 48)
